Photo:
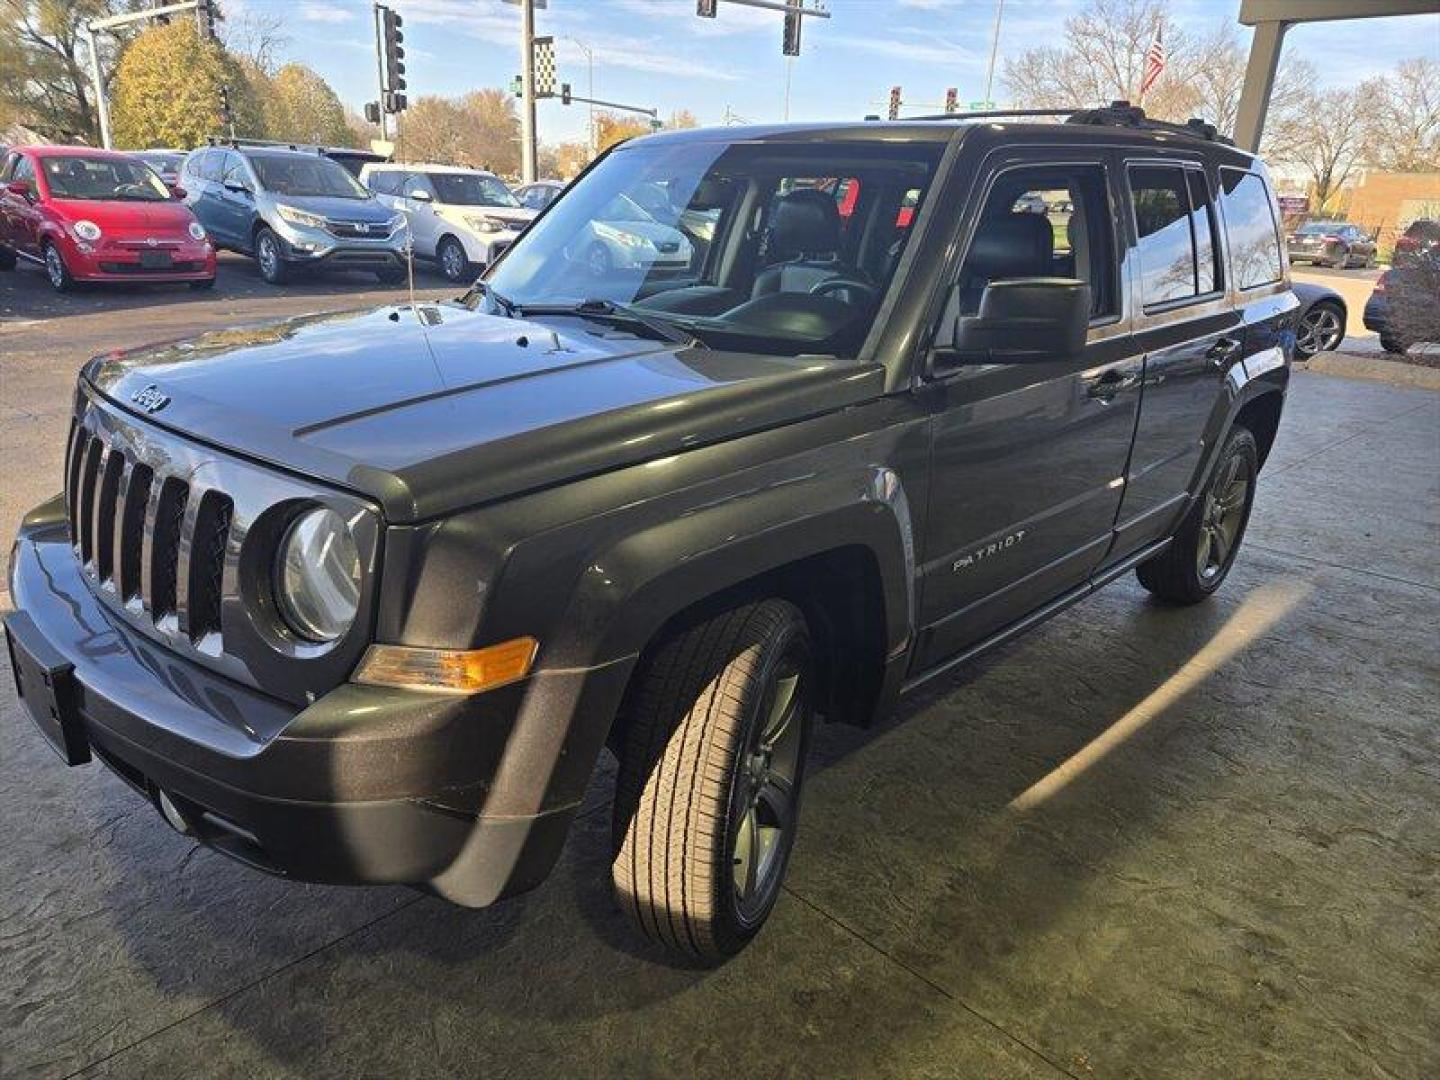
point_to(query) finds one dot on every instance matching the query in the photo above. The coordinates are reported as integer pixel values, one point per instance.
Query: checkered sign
(544, 61)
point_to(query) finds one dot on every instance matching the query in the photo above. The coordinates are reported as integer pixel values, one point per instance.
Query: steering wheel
(867, 291)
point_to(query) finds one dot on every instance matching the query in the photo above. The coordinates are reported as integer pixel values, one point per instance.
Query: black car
(1420, 238)
(361, 597)
(1332, 243)
(1404, 309)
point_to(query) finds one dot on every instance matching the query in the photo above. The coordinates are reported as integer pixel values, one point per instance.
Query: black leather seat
(1013, 246)
(805, 239)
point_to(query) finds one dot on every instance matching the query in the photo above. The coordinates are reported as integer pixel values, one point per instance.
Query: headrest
(805, 222)
(1012, 246)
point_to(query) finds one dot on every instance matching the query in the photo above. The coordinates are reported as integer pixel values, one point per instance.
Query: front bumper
(193, 260)
(482, 249)
(311, 246)
(1377, 314)
(365, 785)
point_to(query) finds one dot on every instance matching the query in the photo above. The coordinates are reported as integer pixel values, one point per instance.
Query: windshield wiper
(622, 315)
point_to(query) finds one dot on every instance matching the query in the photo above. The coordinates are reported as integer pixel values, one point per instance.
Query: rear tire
(1204, 547)
(1392, 344)
(717, 725)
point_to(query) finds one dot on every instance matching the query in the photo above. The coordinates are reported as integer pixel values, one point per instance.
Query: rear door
(236, 199)
(1190, 334)
(1028, 457)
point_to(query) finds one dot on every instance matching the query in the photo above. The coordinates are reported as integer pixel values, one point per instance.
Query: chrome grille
(358, 230)
(132, 534)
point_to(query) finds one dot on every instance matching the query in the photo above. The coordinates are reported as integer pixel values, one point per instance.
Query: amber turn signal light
(447, 671)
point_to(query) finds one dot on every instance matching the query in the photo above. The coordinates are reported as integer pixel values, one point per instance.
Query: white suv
(461, 218)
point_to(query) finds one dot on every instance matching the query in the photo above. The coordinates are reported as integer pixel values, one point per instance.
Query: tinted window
(305, 175)
(1176, 233)
(1044, 222)
(1250, 228)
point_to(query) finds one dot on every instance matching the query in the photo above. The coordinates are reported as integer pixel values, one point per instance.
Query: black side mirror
(1022, 320)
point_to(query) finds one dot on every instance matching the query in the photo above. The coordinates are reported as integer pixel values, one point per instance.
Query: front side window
(751, 245)
(383, 181)
(471, 189)
(102, 179)
(1176, 234)
(300, 175)
(1254, 241)
(1044, 221)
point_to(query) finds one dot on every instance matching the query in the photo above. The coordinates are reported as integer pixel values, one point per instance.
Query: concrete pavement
(1142, 841)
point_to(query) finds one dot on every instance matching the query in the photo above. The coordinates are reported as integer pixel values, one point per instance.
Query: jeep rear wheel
(1203, 550)
(717, 727)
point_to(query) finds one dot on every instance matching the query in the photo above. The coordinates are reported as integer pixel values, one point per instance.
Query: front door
(1028, 458)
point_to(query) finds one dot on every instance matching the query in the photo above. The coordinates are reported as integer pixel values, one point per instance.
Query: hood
(334, 207)
(470, 409)
(119, 218)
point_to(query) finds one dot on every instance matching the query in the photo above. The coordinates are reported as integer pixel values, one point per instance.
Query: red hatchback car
(95, 215)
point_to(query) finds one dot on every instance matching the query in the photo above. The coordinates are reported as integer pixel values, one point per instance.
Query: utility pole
(994, 49)
(380, 70)
(102, 107)
(527, 91)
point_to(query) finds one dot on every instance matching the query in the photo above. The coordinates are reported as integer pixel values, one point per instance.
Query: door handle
(1223, 351)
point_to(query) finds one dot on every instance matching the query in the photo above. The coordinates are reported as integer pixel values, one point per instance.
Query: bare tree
(256, 35)
(1403, 118)
(1328, 137)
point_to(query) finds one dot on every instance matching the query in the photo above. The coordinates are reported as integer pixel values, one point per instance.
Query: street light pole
(380, 70)
(590, 63)
(994, 49)
(527, 91)
(102, 107)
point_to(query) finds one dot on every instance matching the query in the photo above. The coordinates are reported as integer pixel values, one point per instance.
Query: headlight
(620, 236)
(300, 217)
(396, 222)
(317, 576)
(481, 223)
(86, 230)
(197, 231)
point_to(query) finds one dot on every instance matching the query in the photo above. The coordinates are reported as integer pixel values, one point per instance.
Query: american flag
(1154, 62)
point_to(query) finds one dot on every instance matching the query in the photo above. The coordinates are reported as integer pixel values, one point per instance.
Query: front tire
(56, 270)
(453, 262)
(391, 275)
(1392, 344)
(1204, 547)
(270, 255)
(712, 761)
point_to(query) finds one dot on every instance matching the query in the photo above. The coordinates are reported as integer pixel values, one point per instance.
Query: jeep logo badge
(150, 398)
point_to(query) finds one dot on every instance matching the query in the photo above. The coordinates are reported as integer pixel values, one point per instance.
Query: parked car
(293, 209)
(462, 219)
(539, 195)
(1404, 308)
(1421, 237)
(404, 574)
(622, 235)
(1321, 323)
(166, 163)
(97, 216)
(1332, 243)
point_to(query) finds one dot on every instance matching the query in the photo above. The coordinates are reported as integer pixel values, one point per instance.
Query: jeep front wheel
(717, 727)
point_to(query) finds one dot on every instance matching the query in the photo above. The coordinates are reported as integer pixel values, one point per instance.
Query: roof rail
(239, 141)
(1116, 114)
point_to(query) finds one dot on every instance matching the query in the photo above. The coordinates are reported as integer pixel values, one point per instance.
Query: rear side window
(1175, 225)
(1250, 228)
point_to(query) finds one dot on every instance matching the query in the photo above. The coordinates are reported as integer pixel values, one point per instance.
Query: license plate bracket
(156, 260)
(45, 681)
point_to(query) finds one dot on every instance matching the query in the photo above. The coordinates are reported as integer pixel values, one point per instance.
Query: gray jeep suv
(362, 597)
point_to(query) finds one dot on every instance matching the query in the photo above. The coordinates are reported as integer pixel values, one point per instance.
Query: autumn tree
(611, 128)
(153, 106)
(300, 106)
(44, 65)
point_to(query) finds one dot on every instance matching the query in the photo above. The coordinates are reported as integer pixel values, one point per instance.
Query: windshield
(102, 179)
(301, 175)
(769, 247)
(471, 189)
(162, 163)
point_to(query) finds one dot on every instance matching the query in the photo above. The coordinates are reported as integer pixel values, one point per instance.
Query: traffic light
(952, 100)
(226, 115)
(564, 93)
(790, 39)
(394, 40)
(205, 19)
(706, 8)
(517, 85)
(372, 112)
(894, 113)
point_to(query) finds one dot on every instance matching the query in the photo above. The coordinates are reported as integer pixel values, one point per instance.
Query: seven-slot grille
(138, 535)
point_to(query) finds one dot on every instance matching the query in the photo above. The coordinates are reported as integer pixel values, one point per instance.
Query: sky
(658, 54)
